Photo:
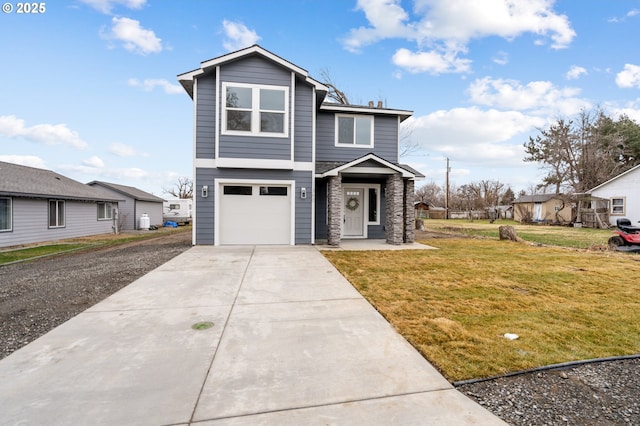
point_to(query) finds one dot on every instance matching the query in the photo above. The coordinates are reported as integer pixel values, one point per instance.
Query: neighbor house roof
(186, 79)
(535, 198)
(614, 178)
(128, 191)
(23, 181)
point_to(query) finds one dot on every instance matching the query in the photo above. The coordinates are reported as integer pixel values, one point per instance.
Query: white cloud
(238, 36)
(447, 26)
(431, 62)
(94, 161)
(24, 160)
(473, 134)
(149, 84)
(501, 58)
(122, 150)
(540, 97)
(106, 6)
(49, 134)
(629, 77)
(134, 37)
(575, 72)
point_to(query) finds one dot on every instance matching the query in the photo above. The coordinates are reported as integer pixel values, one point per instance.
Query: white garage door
(255, 214)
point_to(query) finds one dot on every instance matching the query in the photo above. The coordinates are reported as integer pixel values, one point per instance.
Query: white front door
(353, 211)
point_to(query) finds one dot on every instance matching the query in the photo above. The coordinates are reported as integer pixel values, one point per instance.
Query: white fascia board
(334, 172)
(366, 110)
(251, 163)
(612, 179)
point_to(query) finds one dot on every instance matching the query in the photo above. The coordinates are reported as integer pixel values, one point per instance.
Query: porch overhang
(375, 166)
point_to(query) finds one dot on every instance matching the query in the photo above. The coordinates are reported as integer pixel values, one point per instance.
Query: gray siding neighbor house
(134, 203)
(40, 205)
(276, 164)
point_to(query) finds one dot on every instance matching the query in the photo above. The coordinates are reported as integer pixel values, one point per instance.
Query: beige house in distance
(542, 208)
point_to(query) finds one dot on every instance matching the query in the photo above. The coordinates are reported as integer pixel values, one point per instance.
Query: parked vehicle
(627, 237)
(178, 211)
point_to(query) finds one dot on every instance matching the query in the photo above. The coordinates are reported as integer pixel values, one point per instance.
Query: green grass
(82, 243)
(455, 304)
(563, 236)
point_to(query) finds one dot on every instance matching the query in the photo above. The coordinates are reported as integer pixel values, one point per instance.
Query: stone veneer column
(334, 195)
(394, 203)
(409, 211)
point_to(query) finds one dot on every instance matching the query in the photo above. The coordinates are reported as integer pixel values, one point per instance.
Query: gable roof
(186, 79)
(631, 170)
(361, 109)
(23, 181)
(128, 191)
(325, 169)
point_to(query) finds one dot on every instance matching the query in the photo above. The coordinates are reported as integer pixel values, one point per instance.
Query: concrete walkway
(292, 343)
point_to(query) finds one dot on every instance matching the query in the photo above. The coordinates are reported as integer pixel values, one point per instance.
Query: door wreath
(353, 203)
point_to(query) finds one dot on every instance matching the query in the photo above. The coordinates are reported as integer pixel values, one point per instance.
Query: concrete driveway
(291, 343)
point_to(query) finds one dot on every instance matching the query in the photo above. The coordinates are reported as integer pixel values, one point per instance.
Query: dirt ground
(37, 296)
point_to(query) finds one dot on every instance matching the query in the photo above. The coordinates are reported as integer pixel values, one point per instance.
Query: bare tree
(183, 188)
(431, 193)
(334, 93)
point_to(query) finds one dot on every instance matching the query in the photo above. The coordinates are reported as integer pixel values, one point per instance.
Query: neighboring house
(623, 194)
(134, 203)
(276, 164)
(40, 205)
(546, 208)
(426, 210)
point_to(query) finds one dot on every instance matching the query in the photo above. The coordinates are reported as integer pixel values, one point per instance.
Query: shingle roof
(129, 191)
(26, 181)
(535, 198)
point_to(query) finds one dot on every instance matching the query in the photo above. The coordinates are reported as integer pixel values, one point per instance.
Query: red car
(627, 237)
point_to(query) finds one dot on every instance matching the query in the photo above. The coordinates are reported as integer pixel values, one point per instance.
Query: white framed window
(6, 218)
(56, 214)
(255, 110)
(354, 131)
(105, 211)
(617, 206)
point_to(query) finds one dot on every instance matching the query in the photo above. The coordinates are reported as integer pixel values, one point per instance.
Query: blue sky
(88, 88)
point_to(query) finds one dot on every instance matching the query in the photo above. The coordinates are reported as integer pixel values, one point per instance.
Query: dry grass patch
(455, 304)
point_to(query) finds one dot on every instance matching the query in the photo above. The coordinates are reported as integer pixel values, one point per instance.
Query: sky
(88, 88)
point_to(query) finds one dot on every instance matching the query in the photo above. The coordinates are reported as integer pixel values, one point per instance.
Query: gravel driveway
(39, 295)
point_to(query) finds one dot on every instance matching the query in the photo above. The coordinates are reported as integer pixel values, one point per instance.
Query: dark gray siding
(385, 142)
(255, 70)
(303, 122)
(205, 206)
(30, 222)
(205, 116)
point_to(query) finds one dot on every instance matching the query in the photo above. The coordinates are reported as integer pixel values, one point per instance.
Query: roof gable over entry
(368, 164)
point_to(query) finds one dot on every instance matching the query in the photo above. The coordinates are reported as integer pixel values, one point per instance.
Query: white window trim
(49, 214)
(110, 214)
(10, 228)
(354, 145)
(624, 206)
(255, 111)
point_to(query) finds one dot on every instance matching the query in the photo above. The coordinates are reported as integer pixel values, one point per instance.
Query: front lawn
(455, 304)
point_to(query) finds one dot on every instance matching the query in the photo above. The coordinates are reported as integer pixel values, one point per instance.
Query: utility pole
(446, 193)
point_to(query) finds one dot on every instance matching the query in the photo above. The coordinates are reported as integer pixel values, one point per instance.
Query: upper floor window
(56, 214)
(6, 220)
(617, 206)
(354, 131)
(255, 110)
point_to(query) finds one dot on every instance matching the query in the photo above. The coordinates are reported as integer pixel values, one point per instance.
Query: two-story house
(277, 164)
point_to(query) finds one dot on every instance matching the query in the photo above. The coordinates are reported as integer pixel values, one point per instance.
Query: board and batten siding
(385, 140)
(205, 117)
(258, 71)
(205, 208)
(31, 222)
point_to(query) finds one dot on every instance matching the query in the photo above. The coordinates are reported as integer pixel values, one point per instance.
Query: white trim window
(6, 218)
(617, 206)
(354, 131)
(255, 110)
(56, 214)
(105, 211)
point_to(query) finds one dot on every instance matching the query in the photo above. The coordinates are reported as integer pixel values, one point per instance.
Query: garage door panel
(261, 215)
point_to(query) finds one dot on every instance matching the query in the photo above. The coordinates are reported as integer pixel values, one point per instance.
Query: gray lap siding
(205, 207)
